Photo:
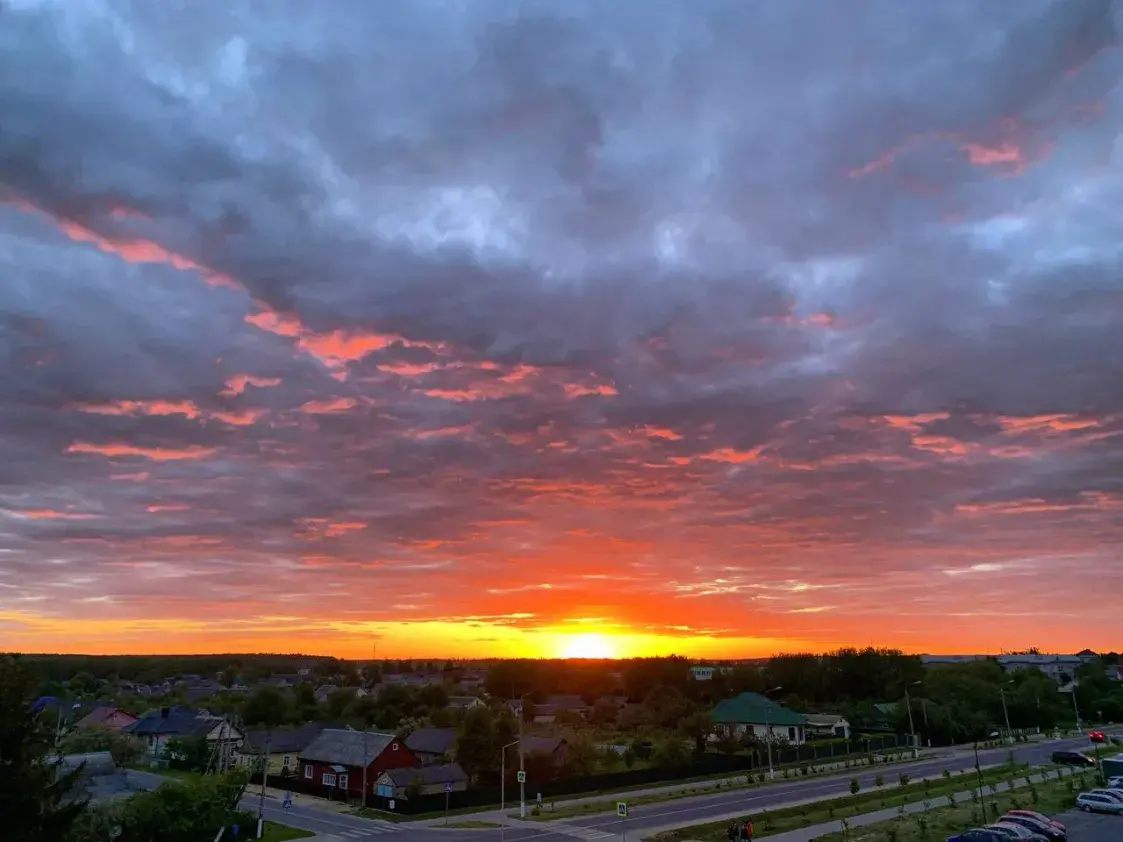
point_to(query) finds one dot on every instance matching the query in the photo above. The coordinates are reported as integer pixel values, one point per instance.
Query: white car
(1116, 782)
(1092, 802)
(1117, 794)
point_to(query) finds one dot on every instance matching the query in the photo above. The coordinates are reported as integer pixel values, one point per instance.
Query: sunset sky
(489, 327)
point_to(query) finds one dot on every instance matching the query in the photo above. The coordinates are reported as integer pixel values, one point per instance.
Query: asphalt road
(647, 817)
(1085, 827)
(644, 819)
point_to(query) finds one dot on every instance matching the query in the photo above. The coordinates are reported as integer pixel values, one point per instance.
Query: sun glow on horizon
(589, 645)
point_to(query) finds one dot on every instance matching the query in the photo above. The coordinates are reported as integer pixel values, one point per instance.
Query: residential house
(425, 780)
(100, 778)
(1060, 668)
(336, 758)
(159, 726)
(431, 746)
(554, 748)
(323, 691)
(827, 725)
(764, 719)
(465, 702)
(282, 681)
(202, 689)
(547, 712)
(702, 673)
(106, 716)
(281, 747)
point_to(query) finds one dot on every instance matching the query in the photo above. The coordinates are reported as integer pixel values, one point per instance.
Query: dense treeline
(949, 703)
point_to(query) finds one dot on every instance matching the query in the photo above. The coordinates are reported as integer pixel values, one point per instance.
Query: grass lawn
(274, 832)
(770, 822)
(1051, 798)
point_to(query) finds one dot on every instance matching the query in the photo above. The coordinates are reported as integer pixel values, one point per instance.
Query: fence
(710, 763)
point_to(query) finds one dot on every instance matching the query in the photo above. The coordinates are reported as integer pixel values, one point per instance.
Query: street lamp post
(1075, 709)
(1006, 714)
(912, 727)
(503, 783)
(522, 760)
(768, 732)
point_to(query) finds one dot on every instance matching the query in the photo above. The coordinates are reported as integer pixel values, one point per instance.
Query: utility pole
(264, 777)
(1075, 709)
(522, 762)
(1006, 714)
(366, 762)
(768, 729)
(912, 727)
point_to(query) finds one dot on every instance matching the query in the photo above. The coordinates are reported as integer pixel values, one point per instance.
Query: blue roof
(178, 721)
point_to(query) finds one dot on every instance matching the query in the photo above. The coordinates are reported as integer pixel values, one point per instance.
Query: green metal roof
(754, 709)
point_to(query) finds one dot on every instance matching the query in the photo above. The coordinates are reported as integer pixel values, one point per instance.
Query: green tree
(37, 798)
(191, 754)
(474, 742)
(696, 727)
(266, 707)
(671, 752)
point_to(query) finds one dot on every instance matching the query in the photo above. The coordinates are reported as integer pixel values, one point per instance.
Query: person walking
(732, 832)
(747, 831)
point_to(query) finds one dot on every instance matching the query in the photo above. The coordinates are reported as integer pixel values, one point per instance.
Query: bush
(855, 787)
(879, 779)
(904, 779)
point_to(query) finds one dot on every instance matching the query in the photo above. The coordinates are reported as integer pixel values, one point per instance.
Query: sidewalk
(810, 834)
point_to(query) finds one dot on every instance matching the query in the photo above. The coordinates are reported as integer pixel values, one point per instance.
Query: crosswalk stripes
(368, 832)
(579, 832)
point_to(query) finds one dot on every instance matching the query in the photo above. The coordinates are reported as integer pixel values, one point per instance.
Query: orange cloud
(329, 406)
(155, 454)
(156, 508)
(728, 454)
(52, 514)
(158, 407)
(144, 251)
(237, 384)
(315, 528)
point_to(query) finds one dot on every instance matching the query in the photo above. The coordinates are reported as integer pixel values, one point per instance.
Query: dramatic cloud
(718, 326)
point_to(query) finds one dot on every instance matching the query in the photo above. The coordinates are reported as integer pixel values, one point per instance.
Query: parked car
(1115, 783)
(1097, 736)
(1091, 802)
(1072, 758)
(979, 834)
(1117, 794)
(1014, 831)
(1044, 828)
(1041, 817)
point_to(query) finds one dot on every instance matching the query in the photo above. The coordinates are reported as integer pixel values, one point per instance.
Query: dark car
(1041, 817)
(1072, 758)
(979, 834)
(1046, 829)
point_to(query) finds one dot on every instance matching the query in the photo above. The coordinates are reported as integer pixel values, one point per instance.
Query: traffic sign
(448, 786)
(521, 777)
(622, 809)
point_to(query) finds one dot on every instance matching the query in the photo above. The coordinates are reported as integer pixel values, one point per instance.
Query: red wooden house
(334, 761)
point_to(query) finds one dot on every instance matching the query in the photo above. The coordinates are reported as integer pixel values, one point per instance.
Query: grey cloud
(762, 225)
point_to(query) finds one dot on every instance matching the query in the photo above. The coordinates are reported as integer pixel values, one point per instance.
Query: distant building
(827, 725)
(764, 719)
(335, 760)
(280, 748)
(702, 673)
(1060, 668)
(426, 780)
(106, 716)
(432, 746)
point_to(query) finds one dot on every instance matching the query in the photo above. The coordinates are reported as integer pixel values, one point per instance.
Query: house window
(329, 779)
(791, 735)
(393, 746)
(343, 782)
(286, 761)
(308, 772)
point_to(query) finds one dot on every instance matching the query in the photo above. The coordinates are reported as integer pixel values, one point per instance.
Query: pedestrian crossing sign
(622, 809)
(521, 777)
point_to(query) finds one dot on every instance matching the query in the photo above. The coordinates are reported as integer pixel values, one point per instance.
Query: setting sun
(591, 646)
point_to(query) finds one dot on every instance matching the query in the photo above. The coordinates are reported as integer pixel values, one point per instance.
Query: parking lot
(1091, 827)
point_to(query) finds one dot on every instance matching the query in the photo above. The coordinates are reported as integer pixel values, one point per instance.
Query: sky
(456, 328)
